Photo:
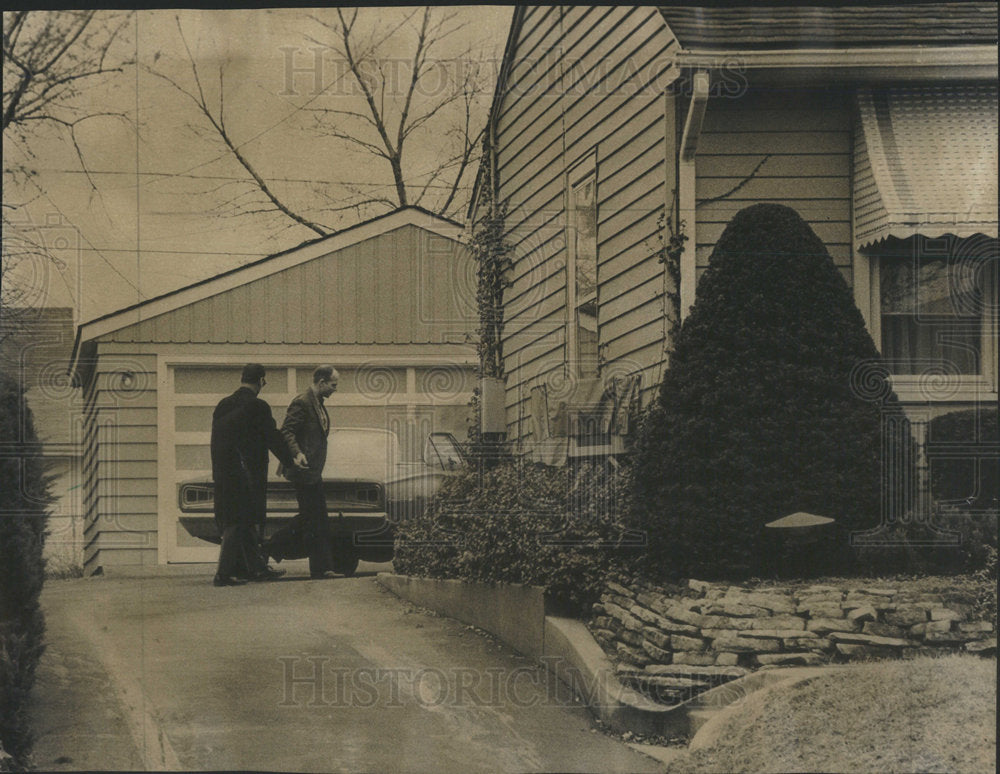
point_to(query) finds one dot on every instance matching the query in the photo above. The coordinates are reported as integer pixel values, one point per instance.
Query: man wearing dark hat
(243, 429)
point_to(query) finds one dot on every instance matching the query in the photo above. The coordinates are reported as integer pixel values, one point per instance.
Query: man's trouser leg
(316, 527)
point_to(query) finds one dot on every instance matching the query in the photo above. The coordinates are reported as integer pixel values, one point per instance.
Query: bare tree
(377, 101)
(404, 96)
(50, 58)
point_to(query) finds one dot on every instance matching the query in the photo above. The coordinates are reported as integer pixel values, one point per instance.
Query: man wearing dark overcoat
(243, 430)
(305, 429)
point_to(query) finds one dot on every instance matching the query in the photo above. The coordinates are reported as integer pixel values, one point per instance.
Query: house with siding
(390, 302)
(614, 128)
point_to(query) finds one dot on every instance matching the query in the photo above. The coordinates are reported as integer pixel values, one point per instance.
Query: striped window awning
(925, 162)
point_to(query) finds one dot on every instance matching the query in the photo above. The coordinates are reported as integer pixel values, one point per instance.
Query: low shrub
(950, 541)
(24, 503)
(960, 473)
(518, 522)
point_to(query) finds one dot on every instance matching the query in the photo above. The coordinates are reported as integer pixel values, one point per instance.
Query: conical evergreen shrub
(760, 414)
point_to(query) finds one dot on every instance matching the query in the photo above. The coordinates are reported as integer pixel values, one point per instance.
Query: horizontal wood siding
(407, 285)
(792, 146)
(120, 460)
(583, 79)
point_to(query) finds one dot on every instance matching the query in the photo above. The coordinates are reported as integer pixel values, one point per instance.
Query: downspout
(686, 181)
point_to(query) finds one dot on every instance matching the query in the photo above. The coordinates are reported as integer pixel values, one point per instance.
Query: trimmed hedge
(518, 522)
(24, 504)
(763, 411)
(959, 471)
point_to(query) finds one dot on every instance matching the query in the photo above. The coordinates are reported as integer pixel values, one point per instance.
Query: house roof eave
(901, 63)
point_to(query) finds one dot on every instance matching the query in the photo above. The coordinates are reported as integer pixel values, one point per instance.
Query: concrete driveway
(164, 671)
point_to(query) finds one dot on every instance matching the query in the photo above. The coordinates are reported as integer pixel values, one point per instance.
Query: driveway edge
(516, 614)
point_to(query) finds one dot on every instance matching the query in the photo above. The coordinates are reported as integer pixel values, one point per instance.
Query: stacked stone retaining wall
(721, 625)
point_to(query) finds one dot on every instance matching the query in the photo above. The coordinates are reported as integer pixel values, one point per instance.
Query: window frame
(578, 175)
(919, 387)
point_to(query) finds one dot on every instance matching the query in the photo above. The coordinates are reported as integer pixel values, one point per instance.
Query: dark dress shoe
(227, 580)
(268, 573)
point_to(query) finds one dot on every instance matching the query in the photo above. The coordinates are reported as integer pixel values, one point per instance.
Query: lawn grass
(933, 714)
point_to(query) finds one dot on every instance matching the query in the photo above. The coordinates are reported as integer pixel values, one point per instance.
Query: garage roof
(168, 302)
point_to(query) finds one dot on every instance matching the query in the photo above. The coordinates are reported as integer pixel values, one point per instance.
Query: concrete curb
(516, 614)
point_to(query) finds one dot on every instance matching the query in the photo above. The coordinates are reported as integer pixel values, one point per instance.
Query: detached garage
(390, 302)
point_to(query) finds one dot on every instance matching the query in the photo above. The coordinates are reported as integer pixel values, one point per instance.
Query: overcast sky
(150, 225)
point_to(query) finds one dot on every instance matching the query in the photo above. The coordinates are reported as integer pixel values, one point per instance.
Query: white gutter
(905, 63)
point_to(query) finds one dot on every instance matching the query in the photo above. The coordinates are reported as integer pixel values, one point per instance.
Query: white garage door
(410, 400)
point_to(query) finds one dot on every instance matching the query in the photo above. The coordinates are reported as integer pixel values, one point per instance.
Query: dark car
(368, 492)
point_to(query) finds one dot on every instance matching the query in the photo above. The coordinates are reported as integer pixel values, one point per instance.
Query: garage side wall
(119, 461)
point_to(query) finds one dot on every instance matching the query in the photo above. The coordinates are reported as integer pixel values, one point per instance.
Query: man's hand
(300, 461)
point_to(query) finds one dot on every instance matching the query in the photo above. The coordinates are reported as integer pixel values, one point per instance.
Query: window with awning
(925, 162)
(925, 218)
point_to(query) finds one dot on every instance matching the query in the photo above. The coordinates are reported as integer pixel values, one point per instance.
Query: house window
(937, 307)
(582, 267)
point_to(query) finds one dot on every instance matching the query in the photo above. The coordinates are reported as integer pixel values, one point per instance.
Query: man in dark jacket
(242, 432)
(305, 429)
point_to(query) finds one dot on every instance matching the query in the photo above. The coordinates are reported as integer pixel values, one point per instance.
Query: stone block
(906, 616)
(739, 644)
(631, 655)
(665, 681)
(947, 638)
(659, 655)
(870, 639)
(603, 636)
(779, 622)
(778, 634)
(699, 586)
(681, 614)
(975, 626)
(602, 622)
(658, 638)
(822, 611)
(680, 642)
(643, 614)
(630, 638)
(727, 659)
(789, 659)
(736, 610)
(854, 651)
(826, 625)
(862, 614)
(983, 647)
(624, 617)
(944, 614)
(883, 630)
(775, 603)
(598, 609)
(650, 601)
(627, 670)
(617, 588)
(715, 622)
(922, 629)
(614, 599)
(694, 659)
